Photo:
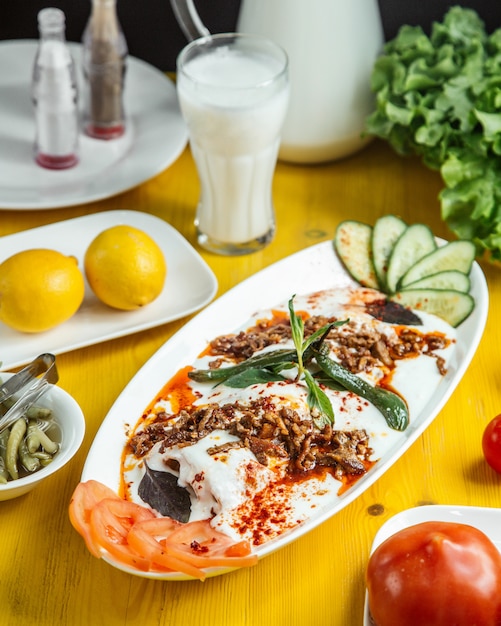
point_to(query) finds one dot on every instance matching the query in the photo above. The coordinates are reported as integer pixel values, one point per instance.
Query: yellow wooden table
(48, 578)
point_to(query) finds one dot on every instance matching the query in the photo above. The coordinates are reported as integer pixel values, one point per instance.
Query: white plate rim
(486, 519)
(190, 285)
(155, 138)
(309, 275)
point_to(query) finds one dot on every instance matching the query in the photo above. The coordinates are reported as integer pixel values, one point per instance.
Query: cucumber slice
(385, 234)
(414, 243)
(352, 242)
(455, 255)
(452, 306)
(448, 279)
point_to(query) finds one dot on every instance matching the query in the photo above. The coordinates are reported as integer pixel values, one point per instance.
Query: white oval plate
(190, 284)
(156, 135)
(312, 269)
(486, 519)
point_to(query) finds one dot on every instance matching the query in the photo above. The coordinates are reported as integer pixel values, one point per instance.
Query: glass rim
(231, 37)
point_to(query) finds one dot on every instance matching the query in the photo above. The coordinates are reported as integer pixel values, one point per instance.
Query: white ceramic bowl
(71, 421)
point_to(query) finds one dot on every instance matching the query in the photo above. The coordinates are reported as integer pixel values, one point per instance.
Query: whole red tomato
(435, 574)
(491, 443)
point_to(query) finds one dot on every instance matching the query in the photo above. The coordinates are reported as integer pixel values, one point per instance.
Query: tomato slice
(203, 534)
(145, 544)
(132, 535)
(110, 523)
(241, 548)
(85, 497)
(160, 526)
(201, 545)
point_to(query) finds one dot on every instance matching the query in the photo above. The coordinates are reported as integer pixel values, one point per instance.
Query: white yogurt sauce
(222, 485)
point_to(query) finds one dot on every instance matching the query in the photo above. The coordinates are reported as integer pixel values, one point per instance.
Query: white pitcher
(332, 46)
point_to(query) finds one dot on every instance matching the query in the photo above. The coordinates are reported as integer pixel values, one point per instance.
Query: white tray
(190, 284)
(312, 269)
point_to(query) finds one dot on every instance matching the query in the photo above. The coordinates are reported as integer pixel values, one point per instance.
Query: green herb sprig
(319, 404)
(315, 368)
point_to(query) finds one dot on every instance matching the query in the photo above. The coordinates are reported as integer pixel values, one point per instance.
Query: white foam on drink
(225, 67)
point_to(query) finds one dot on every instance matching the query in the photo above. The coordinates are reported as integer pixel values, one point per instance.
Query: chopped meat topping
(244, 344)
(265, 333)
(357, 349)
(278, 435)
(271, 433)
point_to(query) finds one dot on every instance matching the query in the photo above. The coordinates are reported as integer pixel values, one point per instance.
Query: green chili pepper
(388, 403)
(17, 432)
(29, 462)
(43, 440)
(4, 474)
(261, 361)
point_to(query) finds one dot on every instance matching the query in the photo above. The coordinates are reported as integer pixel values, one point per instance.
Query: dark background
(153, 35)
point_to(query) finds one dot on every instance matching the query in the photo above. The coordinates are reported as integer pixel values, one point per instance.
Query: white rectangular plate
(312, 269)
(190, 284)
(488, 520)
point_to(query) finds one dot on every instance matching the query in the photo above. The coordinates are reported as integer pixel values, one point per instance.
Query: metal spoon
(31, 387)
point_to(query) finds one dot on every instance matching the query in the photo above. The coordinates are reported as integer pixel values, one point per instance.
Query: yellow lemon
(125, 267)
(39, 289)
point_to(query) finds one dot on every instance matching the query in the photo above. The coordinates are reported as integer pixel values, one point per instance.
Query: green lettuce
(439, 97)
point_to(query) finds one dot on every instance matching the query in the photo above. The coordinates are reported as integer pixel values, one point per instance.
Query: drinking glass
(233, 92)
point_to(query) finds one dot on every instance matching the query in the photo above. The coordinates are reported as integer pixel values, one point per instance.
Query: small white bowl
(71, 422)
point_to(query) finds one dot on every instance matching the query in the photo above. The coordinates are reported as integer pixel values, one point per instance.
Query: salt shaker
(104, 64)
(54, 95)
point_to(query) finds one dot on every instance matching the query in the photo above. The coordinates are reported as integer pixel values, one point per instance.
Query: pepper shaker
(54, 95)
(104, 65)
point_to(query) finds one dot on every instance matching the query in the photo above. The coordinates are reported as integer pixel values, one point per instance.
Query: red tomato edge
(491, 444)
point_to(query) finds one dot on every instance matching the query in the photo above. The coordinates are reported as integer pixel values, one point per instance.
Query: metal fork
(32, 387)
